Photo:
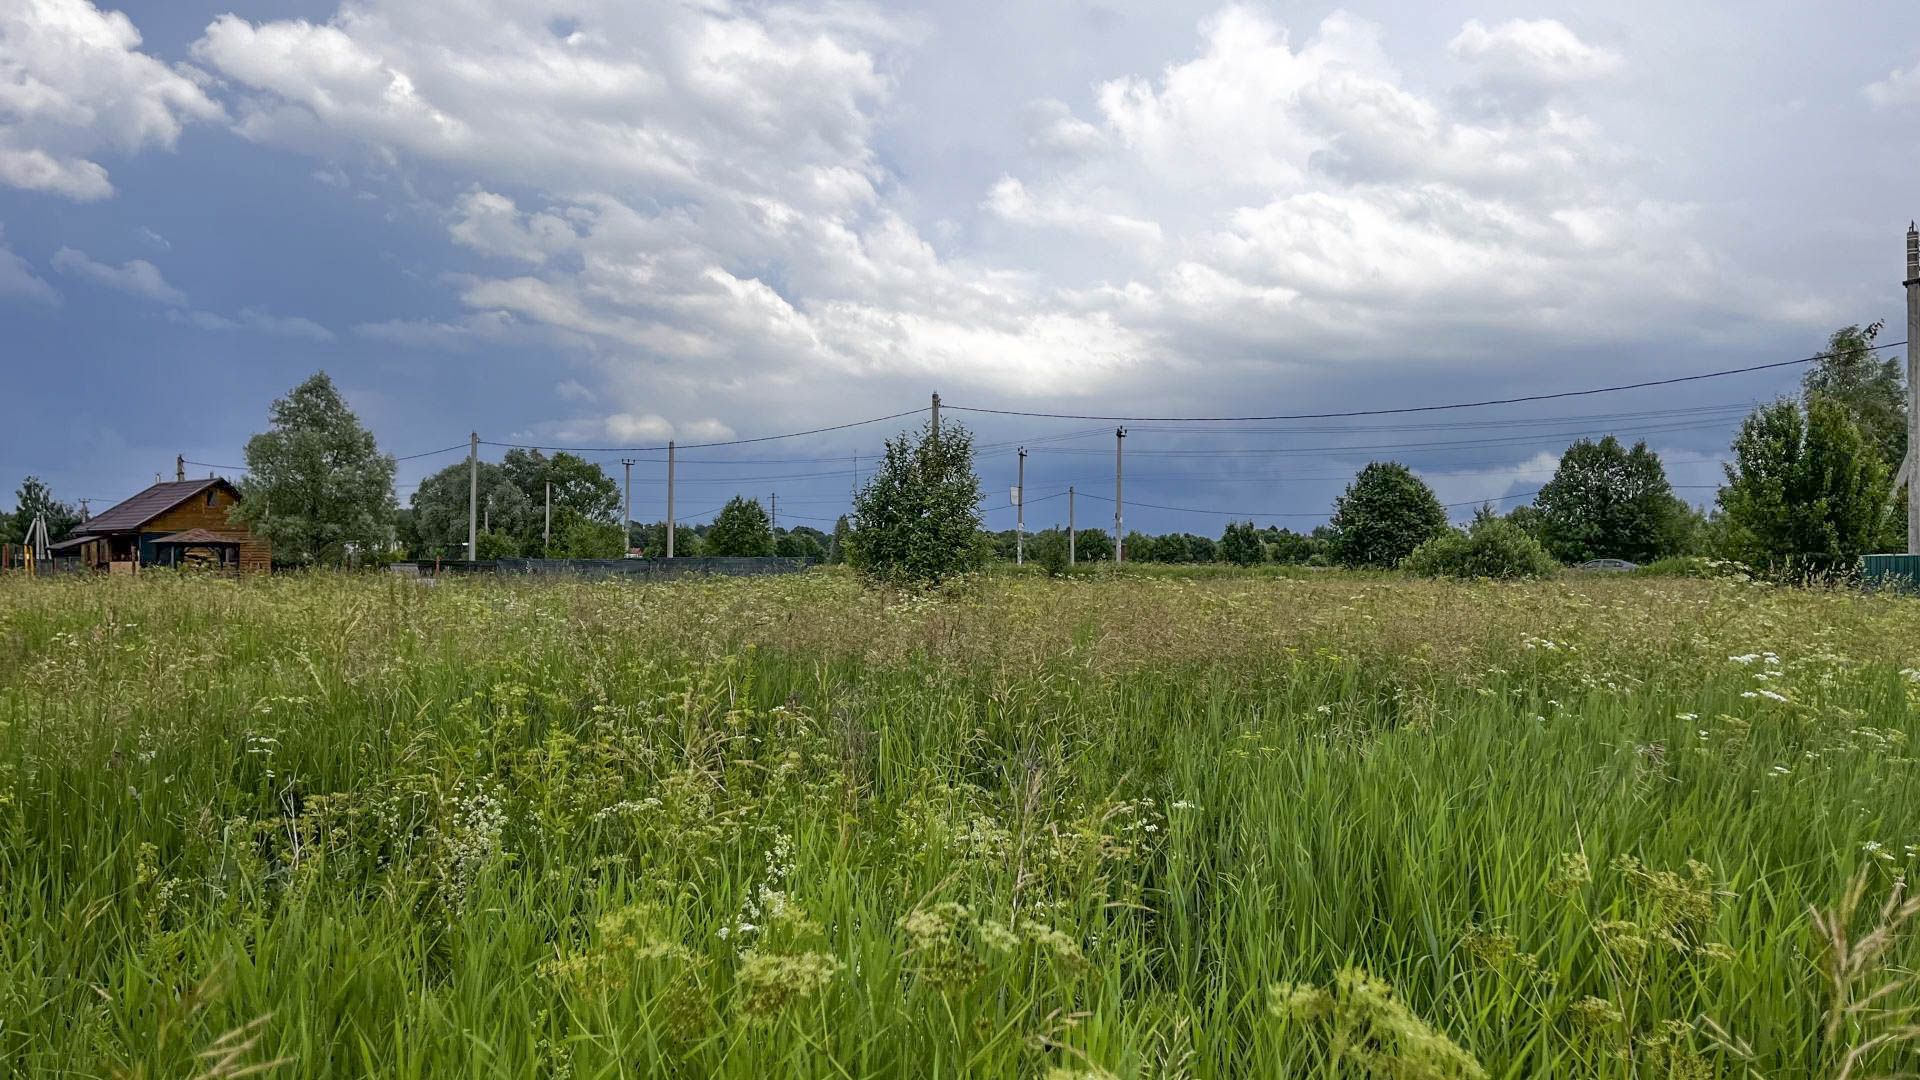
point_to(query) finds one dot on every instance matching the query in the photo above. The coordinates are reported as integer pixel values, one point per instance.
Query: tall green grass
(1132, 826)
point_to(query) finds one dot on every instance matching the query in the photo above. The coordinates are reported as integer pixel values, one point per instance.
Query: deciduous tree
(740, 530)
(34, 499)
(1383, 515)
(917, 517)
(317, 485)
(1608, 502)
(1241, 544)
(1805, 494)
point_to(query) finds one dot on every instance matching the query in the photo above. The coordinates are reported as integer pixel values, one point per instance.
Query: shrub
(1493, 548)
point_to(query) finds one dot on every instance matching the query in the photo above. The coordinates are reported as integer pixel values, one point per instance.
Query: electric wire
(1420, 408)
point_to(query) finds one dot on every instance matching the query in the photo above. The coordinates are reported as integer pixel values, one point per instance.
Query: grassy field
(1140, 827)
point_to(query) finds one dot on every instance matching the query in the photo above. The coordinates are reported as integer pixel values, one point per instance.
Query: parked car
(1609, 566)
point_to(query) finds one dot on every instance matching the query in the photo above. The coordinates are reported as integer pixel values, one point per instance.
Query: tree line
(1806, 493)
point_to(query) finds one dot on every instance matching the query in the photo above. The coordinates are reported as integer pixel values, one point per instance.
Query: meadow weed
(1115, 825)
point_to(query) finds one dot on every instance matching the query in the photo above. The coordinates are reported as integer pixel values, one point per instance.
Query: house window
(210, 492)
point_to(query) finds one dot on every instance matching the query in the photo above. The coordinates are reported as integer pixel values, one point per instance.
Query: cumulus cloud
(628, 428)
(691, 199)
(17, 279)
(490, 223)
(73, 82)
(1534, 50)
(257, 320)
(1900, 87)
(137, 277)
(1011, 200)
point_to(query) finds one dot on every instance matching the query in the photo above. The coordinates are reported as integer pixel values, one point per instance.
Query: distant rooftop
(147, 505)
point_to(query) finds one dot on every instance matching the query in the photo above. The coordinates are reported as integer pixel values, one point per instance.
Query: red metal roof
(147, 505)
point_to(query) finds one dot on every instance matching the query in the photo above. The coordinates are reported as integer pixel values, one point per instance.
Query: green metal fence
(1899, 572)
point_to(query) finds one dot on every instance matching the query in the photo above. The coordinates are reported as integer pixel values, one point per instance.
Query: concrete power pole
(1020, 512)
(1119, 467)
(1069, 524)
(473, 495)
(773, 523)
(546, 536)
(936, 420)
(669, 498)
(1911, 469)
(179, 467)
(626, 524)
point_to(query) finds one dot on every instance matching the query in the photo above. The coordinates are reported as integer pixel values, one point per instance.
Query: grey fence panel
(645, 569)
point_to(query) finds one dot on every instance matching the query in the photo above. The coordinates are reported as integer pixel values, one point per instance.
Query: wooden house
(182, 523)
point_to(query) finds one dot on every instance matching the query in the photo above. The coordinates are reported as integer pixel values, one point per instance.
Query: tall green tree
(582, 491)
(1608, 502)
(34, 499)
(916, 518)
(1383, 515)
(740, 530)
(1092, 545)
(1241, 544)
(512, 503)
(317, 485)
(1871, 389)
(1805, 494)
(1048, 549)
(440, 511)
(837, 547)
(800, 542)
(1287, 546)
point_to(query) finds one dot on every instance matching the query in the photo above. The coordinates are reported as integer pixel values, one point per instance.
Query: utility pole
(936, 420)
(1911, 468)
(85, 514)
(546, 541)
(626, 524)
(669, 498)
(1069, 524)
(774, 523)
(179, 468)
(1119, 462)
(1020, 512)
(473, 495)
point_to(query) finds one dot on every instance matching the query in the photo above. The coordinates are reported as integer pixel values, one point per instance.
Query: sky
(610, 223)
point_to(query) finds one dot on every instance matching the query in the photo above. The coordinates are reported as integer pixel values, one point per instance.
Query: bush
(1493, 548)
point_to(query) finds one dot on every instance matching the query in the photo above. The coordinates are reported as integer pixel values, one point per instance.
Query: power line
(402, 457)
(727, 442)
(1318, 514)
(1437, 444)
(430, 453)
(1420, 408)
